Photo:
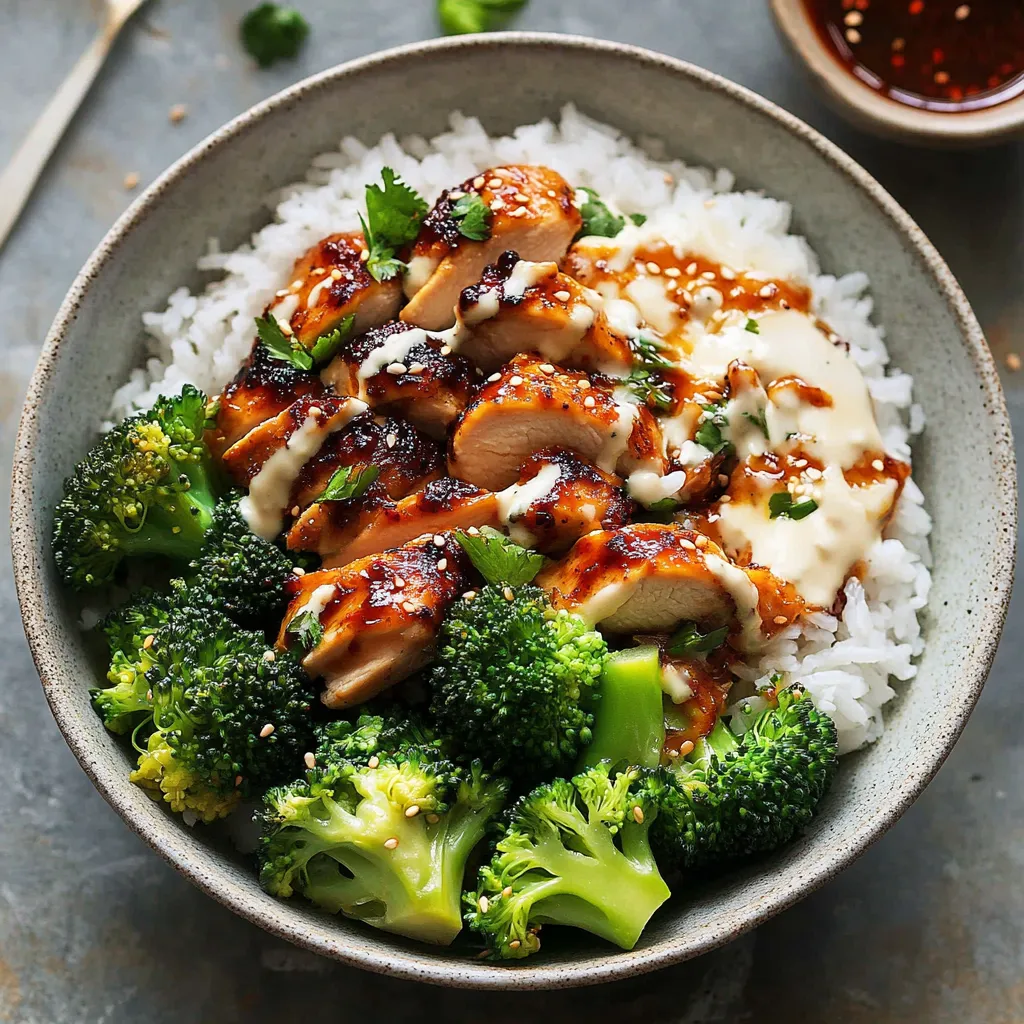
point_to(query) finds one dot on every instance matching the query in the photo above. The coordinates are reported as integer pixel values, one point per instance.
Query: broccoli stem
(629, 727)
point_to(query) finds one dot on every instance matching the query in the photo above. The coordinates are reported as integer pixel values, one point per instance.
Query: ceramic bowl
(877, 113)
(216, 190)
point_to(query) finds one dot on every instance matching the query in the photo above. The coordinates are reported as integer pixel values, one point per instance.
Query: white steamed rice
(846, 664)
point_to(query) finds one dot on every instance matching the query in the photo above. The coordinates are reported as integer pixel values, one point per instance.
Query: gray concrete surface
(927, 927)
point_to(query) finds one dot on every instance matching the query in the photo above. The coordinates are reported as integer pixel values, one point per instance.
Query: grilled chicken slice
(532, 212)
(405, 457)
(262, 388)
(558, 499)
(330, 282)
(530, 405)
(650, 578)
(379, 616)
(406, 372)
(519, 306)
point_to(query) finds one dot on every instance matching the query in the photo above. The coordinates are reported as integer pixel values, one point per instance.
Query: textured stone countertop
(926, 927)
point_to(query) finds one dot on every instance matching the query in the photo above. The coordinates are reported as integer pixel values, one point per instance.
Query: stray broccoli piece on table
(381, 829)
(514, 681)
(735, 797)
(224, 718)
(461, 16)
(574, 853)
(273, 32)
(144, 489)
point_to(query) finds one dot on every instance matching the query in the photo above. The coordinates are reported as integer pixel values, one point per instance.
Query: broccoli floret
(515, 680)
(237, 572)
(226, 715)
(379, 831)
(144, 489)
(130, 632)
(736, 797)
(574, 853)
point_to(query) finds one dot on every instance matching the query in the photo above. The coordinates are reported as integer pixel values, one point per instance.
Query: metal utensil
(21, 174)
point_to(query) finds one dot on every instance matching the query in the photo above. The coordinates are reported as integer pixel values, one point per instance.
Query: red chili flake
(955, 93)
(938, 56)
(916, 6)
(898, 60)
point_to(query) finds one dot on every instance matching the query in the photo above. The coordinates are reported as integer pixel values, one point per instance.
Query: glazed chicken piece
(406, 372)
(405, 457)
(519, 306)
(649, 578)
(262, 388)
(379, 616)
(329, 282)
(558, 499)
(529, 405)
(532, 212)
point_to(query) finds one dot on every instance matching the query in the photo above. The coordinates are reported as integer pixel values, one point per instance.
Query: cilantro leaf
(498, 559)
(651, 390)
(394, 214)
(474, 217)
(349, 482)
(760, 420)
(689, 640)
(709, 433)
(597, 218)
(751, 325)
(280, 347)
(271, 32)
(458, 17)
(326, 346)
(647, 351)
(306, 626)
(639, 219)
(781, 504)
(212, 412)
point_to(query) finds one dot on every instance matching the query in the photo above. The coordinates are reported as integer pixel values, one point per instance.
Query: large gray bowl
(508, 80)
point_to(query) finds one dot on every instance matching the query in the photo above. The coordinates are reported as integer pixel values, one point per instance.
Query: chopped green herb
(497, 559)
(394, 214)
(597, 218)
(271, 32)
(474, 217)
(709, 433)
(287, 350)
(349, 482)
(651, 390)
(326, 346)
(306, 626)
(665, 505)
(751, 325)
(639, 219)
(647, 351)
(781, 504)
(689, 640)
(212, 411)
(458, 17)
(760, 420)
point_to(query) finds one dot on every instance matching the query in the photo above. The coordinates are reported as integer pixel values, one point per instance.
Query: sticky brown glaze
(556, 318)
(710, 680)
(532, 212)
(530, 405)
(245, 458)
(583, 499)
(380, 619)
(262, 388)
(405, 457)
(430, 392)
(340, 532)
(652, 577)
(333, 273)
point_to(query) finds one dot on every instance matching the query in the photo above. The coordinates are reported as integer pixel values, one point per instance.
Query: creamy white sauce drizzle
(741, 589)
(314, 293)
(527, 275)
(618, 435)
(516, 500)
(674, 684)
(318, 600)
(486, 306)
(393, 349)
(648, 487)
(604, 603)
(650, 298)
(263, 507)
(418, 272)
(285, 307)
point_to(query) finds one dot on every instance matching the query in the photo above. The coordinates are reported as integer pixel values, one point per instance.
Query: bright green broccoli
(735, 797)
(381, 829)
(514, 681)
(226, 714)
(144, 489)
(574, 853)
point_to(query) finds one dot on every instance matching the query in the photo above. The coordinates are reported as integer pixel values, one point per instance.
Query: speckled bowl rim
(188, 854)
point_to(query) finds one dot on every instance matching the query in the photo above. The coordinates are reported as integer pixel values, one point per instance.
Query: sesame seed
(701, 541)
(374, 762)
(769, 290)
(268, 655)
(391, 844)
(177, 113)
(583, 384)
(286, 328)
(672, 272)
(521, 198)
(456, 193)
(281, 293)
(515, 380)
(799, 463)
(878, 464)
(148, 642)
(514, 944)
(131, 180)
(266, 731)
(412, 810)
(484, 904)
(318, 271)
(686, 747)
(469, 595)
(495, 183)
(364, 255)
(498, 204)
(478, 181)
(309, 759)
(708, 275)
(853, 36)
(562, 295)
(552, 194)
(506, 892)
(589, 402)
(691, 268)
(433, 818)
(725, 499)
(688, 545)
(723, 479)
(397, 369)
(473, 531)
(391, 440)
(638, 814)
(446, 350)
(784, 304)
(298, 571)
(963, 12)
(296, 510)
(315, 411)
(779, 620)
(519, 211)
(442, 564)
(507, 593)
(408, 607)
(398, 583)
(417, 368)
(685, 298)
(1013, 361)
(728, 273)
(652, 267)
(335, 274)
(853, 18)
(439, 540)
(814, 474)
(547, 368)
